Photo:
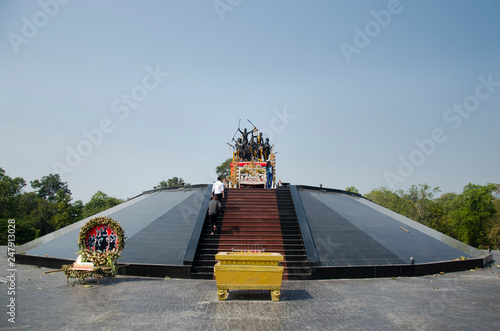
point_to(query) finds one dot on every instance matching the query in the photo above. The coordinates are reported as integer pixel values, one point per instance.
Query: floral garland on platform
(104, 262)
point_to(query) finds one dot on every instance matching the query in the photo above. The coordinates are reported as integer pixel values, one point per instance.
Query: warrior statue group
(254, 148)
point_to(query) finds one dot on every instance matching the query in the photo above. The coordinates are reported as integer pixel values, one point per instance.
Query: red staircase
(254, 218)
(251, 221)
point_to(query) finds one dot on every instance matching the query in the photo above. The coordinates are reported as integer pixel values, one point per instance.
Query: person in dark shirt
(214, 207)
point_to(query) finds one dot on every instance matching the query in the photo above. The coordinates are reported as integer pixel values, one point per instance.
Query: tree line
(49, 206)
(472, 216)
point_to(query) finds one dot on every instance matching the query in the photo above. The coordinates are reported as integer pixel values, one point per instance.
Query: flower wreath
(101, 257)
(104, 261)
(96, 221)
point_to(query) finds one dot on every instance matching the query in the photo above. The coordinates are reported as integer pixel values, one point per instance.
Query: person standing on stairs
(269, 175)
(218, 189)
(214, 207)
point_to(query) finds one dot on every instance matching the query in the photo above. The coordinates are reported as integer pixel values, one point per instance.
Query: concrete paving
(455, 301)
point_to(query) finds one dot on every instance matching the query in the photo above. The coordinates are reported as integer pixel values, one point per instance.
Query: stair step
(304, 276)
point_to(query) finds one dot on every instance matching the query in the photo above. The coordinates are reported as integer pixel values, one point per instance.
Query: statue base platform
(252, 185)
(249, 174)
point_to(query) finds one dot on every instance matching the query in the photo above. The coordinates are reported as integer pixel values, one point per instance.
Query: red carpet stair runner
(254, 218)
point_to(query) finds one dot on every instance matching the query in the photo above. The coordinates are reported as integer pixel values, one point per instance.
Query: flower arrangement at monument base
(100, 241)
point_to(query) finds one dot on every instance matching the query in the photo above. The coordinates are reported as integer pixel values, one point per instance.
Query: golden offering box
(248, 271)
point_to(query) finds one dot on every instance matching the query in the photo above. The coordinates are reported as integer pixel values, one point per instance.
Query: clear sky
(119, 95)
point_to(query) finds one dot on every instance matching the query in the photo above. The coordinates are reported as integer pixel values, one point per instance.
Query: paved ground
(462, 300)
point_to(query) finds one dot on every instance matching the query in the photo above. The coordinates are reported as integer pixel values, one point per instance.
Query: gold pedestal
(248, 271)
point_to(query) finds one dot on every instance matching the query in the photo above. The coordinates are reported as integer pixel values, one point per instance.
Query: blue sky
(119, 95)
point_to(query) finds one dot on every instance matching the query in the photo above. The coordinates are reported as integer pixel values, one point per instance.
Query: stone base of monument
(248, 271)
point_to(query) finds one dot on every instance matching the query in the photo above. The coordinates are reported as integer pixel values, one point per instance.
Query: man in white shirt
(218, 189)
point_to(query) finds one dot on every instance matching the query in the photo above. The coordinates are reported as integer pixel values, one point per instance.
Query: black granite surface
(348, 232)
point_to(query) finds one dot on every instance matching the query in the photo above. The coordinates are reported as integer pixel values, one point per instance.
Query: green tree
(352, 189)
(100, 201)
(224, 169)
(446, 204)
(388, 199)
(172, 182)
(421, 206)
(41, 216)
(494, 228)
(47, 209)
(473, 214)
(16, 204)
(52, 206)
(77, 210)
(66, 213)
(445, 201)
(10, 191)
(48, 187)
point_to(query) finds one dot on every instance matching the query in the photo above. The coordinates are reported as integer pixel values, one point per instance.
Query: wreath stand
(100, 242)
